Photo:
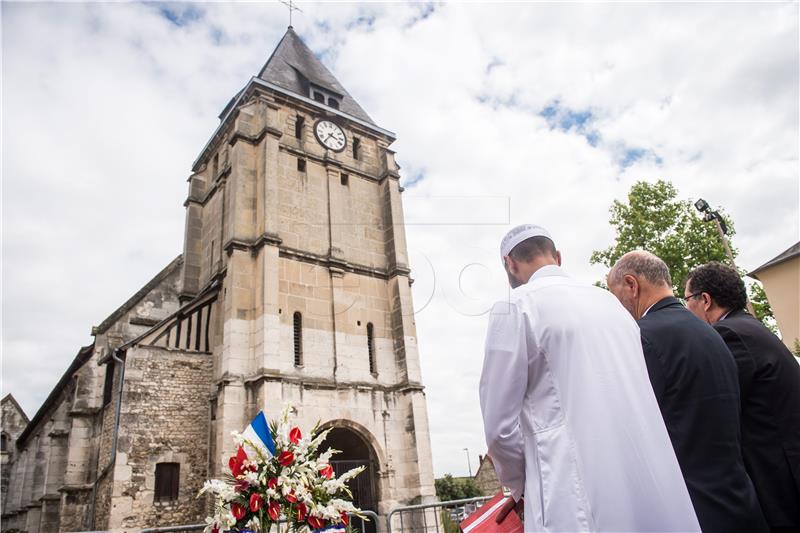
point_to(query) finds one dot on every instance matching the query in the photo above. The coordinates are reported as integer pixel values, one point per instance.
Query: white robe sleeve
(504, 381)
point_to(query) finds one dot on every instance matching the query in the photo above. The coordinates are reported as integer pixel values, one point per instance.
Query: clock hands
(330, 135)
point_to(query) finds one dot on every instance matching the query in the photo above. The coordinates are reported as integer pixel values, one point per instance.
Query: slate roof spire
(294, 67)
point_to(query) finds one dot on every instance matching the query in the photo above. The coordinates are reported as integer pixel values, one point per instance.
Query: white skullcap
(519, 234)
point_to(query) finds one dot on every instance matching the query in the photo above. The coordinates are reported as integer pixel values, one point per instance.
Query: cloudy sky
(505, 113)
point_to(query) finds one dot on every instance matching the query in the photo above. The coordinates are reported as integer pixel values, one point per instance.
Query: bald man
(570, 418)
(695, 381)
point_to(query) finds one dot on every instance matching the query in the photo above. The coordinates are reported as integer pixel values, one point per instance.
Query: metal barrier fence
(439, 517)
(355, 521)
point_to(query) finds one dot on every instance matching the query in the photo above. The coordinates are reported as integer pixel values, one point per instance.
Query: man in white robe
(570, 417)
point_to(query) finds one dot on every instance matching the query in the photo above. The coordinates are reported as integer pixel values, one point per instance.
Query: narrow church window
(211, 257)
(215, 166)
(356, 147)
(333, 102)
(301, 165)
(3, 442)
(298, 127)
(344, 178)
(109, 383)
(319, 97)
(167, 479)
(371, 348)
(298, 339)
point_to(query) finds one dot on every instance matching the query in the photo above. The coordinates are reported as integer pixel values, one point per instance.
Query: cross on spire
(290, 4)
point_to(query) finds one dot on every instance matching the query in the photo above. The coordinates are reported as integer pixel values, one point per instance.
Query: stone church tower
(293, 289)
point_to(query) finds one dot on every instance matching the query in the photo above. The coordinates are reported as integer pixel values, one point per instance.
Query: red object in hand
(256, 502)
(274, 510)
(272, 483)
(315, 522)
(302, 511)
(483, 520)
(238, 511)
(295, 435)
(286, 458)
(326, 471)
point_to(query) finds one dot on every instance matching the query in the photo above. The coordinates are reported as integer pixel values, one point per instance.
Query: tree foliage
(450, 488)
(656, 220)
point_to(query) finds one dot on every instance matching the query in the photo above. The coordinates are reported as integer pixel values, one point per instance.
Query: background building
(293, 288)
(781, 278)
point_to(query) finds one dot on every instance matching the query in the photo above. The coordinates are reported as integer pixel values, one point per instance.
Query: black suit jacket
(769, 378)
(695, 382)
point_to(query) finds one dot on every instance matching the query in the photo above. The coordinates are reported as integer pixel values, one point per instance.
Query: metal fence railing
(439, 517)
(356, 522)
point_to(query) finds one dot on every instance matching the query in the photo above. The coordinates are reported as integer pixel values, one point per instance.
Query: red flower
(295, 435)
(316, 522)
(286, 458)
(272, 483)
(256, 501)
(326, 471)
(242, 485)
(238, 511)
(274, 510)
(302, 511)
(291, 498)
(236, 462)
(345, 519)
(215, 529)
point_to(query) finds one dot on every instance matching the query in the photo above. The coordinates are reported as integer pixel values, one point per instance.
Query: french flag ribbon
(337, 528)
(259, 434)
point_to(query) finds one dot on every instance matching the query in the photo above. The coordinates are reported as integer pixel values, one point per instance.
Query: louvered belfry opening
(373, 368)
(298, 338)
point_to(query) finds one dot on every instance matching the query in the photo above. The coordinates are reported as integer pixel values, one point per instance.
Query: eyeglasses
(687, 298)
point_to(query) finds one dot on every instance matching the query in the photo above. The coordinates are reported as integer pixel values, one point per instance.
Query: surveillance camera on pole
(722, 228)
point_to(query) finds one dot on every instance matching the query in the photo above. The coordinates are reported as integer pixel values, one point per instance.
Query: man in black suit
(694, 379)
(769, 379)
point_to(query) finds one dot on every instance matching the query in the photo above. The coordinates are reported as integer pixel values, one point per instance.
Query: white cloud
(105, 106)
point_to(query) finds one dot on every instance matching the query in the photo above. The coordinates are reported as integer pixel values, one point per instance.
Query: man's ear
(558, 257)
(511, 265)
(706, 300)
(631, 283)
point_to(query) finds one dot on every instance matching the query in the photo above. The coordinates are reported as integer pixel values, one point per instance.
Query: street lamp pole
(469, 465)
(722, 229)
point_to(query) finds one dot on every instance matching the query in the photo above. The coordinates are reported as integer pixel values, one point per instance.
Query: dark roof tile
(293, 65)
(792, 251)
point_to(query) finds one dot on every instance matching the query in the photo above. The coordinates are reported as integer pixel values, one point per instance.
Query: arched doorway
(355, 452)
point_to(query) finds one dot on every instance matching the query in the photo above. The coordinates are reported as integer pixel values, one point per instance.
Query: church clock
(330, 135)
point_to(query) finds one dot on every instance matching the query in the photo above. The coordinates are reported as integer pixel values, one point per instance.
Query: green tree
(656, 220)
(761, 307)
(450, 488)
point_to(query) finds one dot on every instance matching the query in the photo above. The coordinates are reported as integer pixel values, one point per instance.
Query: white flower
(251, 477)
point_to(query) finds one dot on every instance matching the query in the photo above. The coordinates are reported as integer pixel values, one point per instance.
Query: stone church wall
(13, 423)
(165, 418)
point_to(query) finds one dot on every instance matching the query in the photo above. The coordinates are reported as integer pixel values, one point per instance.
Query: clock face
(330, 135)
